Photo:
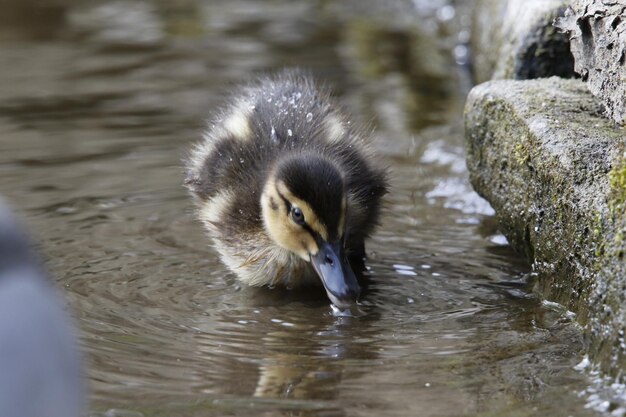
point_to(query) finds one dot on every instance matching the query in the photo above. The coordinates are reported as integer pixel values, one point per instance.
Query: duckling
(287, 187)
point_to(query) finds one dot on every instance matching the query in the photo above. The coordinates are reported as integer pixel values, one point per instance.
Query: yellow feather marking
(309, 215)
(335, 128)
(235, 123)
(238, 124)
(213, 210)
(278, 224)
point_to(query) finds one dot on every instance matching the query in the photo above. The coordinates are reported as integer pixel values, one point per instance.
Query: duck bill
(336, 274)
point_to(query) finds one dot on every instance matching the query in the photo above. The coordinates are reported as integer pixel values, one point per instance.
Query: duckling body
(287, 188)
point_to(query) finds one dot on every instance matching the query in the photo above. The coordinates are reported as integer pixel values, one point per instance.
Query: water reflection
(313, 367)
(414, 87)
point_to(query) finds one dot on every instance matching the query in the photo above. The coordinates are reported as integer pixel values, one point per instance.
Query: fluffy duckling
(287, 188)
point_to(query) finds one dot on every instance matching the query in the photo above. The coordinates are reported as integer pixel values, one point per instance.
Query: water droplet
(241, 160)
(410, 300)
(273, 135)
(269, 100)
(309, 117)
(289, 133)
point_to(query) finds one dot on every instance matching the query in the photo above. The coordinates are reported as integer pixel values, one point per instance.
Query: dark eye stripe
(312, 232)
(305, 226)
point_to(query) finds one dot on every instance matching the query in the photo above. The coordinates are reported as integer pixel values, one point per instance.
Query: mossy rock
(554, 170)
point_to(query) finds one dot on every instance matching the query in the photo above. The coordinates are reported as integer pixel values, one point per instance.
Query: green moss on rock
(553, 169)
(617, 179)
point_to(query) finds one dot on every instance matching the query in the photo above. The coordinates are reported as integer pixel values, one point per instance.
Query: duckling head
(304, 211)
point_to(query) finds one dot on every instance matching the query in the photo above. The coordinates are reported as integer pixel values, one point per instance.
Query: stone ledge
(554, 170)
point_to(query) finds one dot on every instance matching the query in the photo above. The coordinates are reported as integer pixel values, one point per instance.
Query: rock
(554, 169)
(598, 42)
(516, 39)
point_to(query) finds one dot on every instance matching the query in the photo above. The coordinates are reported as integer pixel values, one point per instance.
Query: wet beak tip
(336, 274)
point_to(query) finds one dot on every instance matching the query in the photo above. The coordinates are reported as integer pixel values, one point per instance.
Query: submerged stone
(554, 169)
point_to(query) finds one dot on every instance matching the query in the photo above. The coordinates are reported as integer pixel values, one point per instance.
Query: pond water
(99, 102)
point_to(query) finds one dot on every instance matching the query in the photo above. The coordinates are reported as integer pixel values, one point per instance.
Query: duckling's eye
(297, 216)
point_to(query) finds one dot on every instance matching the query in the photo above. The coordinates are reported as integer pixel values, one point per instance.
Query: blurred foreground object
(40, 372)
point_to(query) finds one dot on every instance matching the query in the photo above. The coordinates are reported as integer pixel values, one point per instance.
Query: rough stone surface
(554, 169)
(597, 31)
(516, 39)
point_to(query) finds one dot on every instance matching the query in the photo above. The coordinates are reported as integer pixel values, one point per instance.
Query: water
(98, 105)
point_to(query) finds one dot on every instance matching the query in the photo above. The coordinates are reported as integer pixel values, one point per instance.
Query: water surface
(98, 105)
